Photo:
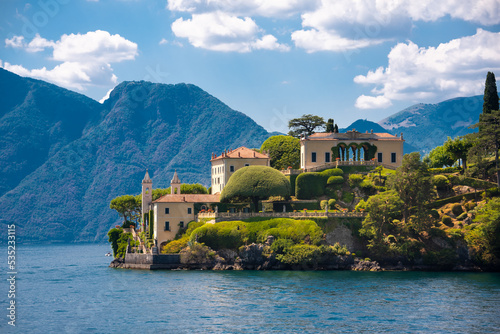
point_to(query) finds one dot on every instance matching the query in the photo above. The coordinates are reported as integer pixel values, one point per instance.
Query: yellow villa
(324, 149)
(224, 165)
(173, 211)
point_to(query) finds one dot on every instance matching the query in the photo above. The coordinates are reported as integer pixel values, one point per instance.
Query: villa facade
(320, 149)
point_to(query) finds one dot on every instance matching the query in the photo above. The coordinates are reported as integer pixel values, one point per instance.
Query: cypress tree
(490, 94)
(329, 125)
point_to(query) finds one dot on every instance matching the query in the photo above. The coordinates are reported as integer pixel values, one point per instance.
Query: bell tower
(175, 184)
(147, 193)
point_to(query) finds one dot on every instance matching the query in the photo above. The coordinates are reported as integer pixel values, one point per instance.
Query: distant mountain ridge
(65, 156)
(426, 126)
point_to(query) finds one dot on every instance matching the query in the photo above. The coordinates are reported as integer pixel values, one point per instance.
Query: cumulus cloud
(337, 25)
(85, 59)
(452, 69)
(219, 31)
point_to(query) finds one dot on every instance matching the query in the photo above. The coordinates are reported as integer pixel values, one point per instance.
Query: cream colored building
(228, 162)
(320, 149)
(175, 210)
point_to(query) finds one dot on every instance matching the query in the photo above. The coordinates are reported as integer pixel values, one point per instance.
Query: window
(167, 226)
(379, 157)
(189, 211)
(231, 169)
(327, 156)
(181, 224)
(313, 157)
(167, 211)
(393, 158)
(246, 165)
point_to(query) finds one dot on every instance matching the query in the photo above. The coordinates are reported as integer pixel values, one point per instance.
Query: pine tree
(490, 94)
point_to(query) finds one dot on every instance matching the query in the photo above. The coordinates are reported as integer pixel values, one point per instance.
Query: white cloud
(15, 42)
(85, 59)
(314, 40)
(219, 31)
(338, 25)
(372, 102)
(265, 8)
(414, 73)
(163, 41)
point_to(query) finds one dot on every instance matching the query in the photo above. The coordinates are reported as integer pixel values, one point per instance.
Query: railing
(245, 215)
(334, 164)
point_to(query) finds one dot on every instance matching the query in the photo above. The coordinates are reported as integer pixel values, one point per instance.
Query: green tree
(458, 149)
(306, 124)
(382, 209)
(439, 157)
(283, 150)
(488, 137)
(254, 183)
(330, 125)
(412, 182)
(127, 206)
(490, 94)
(484, 239)
(113, 236)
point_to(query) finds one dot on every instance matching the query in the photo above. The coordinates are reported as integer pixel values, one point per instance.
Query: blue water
(70, 289)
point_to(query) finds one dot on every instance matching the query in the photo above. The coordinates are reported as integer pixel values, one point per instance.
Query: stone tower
(147, 193)
(175, 184)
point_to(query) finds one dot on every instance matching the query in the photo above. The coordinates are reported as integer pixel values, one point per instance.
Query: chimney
(371, 131)
(254, 154)
(239, 155)
(401, 136)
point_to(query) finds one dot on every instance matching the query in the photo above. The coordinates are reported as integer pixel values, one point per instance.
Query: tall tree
(412, 181)
(330, 125)
(488, 137)
(283, 150)
(490, 94)
(307, 124)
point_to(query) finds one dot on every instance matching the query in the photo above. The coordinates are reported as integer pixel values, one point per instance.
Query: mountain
(363, 125)
(64, 156)
(426, 126)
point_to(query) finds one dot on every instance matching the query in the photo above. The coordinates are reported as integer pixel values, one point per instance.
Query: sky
(271, 59)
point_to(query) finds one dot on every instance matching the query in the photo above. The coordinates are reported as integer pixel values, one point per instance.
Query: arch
(163, 244)
(354, 148)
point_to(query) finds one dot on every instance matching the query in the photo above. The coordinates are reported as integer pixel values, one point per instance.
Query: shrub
(434, 213)
(440, 181)
(175, 246)
(470, 205)
(281, 246)
(368, 186)
(197, 253)
(309, 185)
(331, 203)
(447, 220)
(457, 209)
(462, 216)
(332, 172)
(360, 206)
(347, 197)
(355, 179)
(335, 180)
(323, 204)
(304, 255)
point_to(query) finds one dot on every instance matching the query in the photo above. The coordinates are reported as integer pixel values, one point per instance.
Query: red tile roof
(188, 198)
(241, 153)
(355, 136)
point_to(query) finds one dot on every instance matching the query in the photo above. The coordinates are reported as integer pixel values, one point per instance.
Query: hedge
(309, 185)
(446, 170)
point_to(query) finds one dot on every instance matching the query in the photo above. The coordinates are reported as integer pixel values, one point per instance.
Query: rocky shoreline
(253, 257)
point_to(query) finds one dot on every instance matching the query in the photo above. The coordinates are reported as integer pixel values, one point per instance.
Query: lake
(70, 289)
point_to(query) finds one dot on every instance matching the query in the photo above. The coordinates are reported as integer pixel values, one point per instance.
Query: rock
(251, 256)
(117, 263)
(362, 265)
(440, 242)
